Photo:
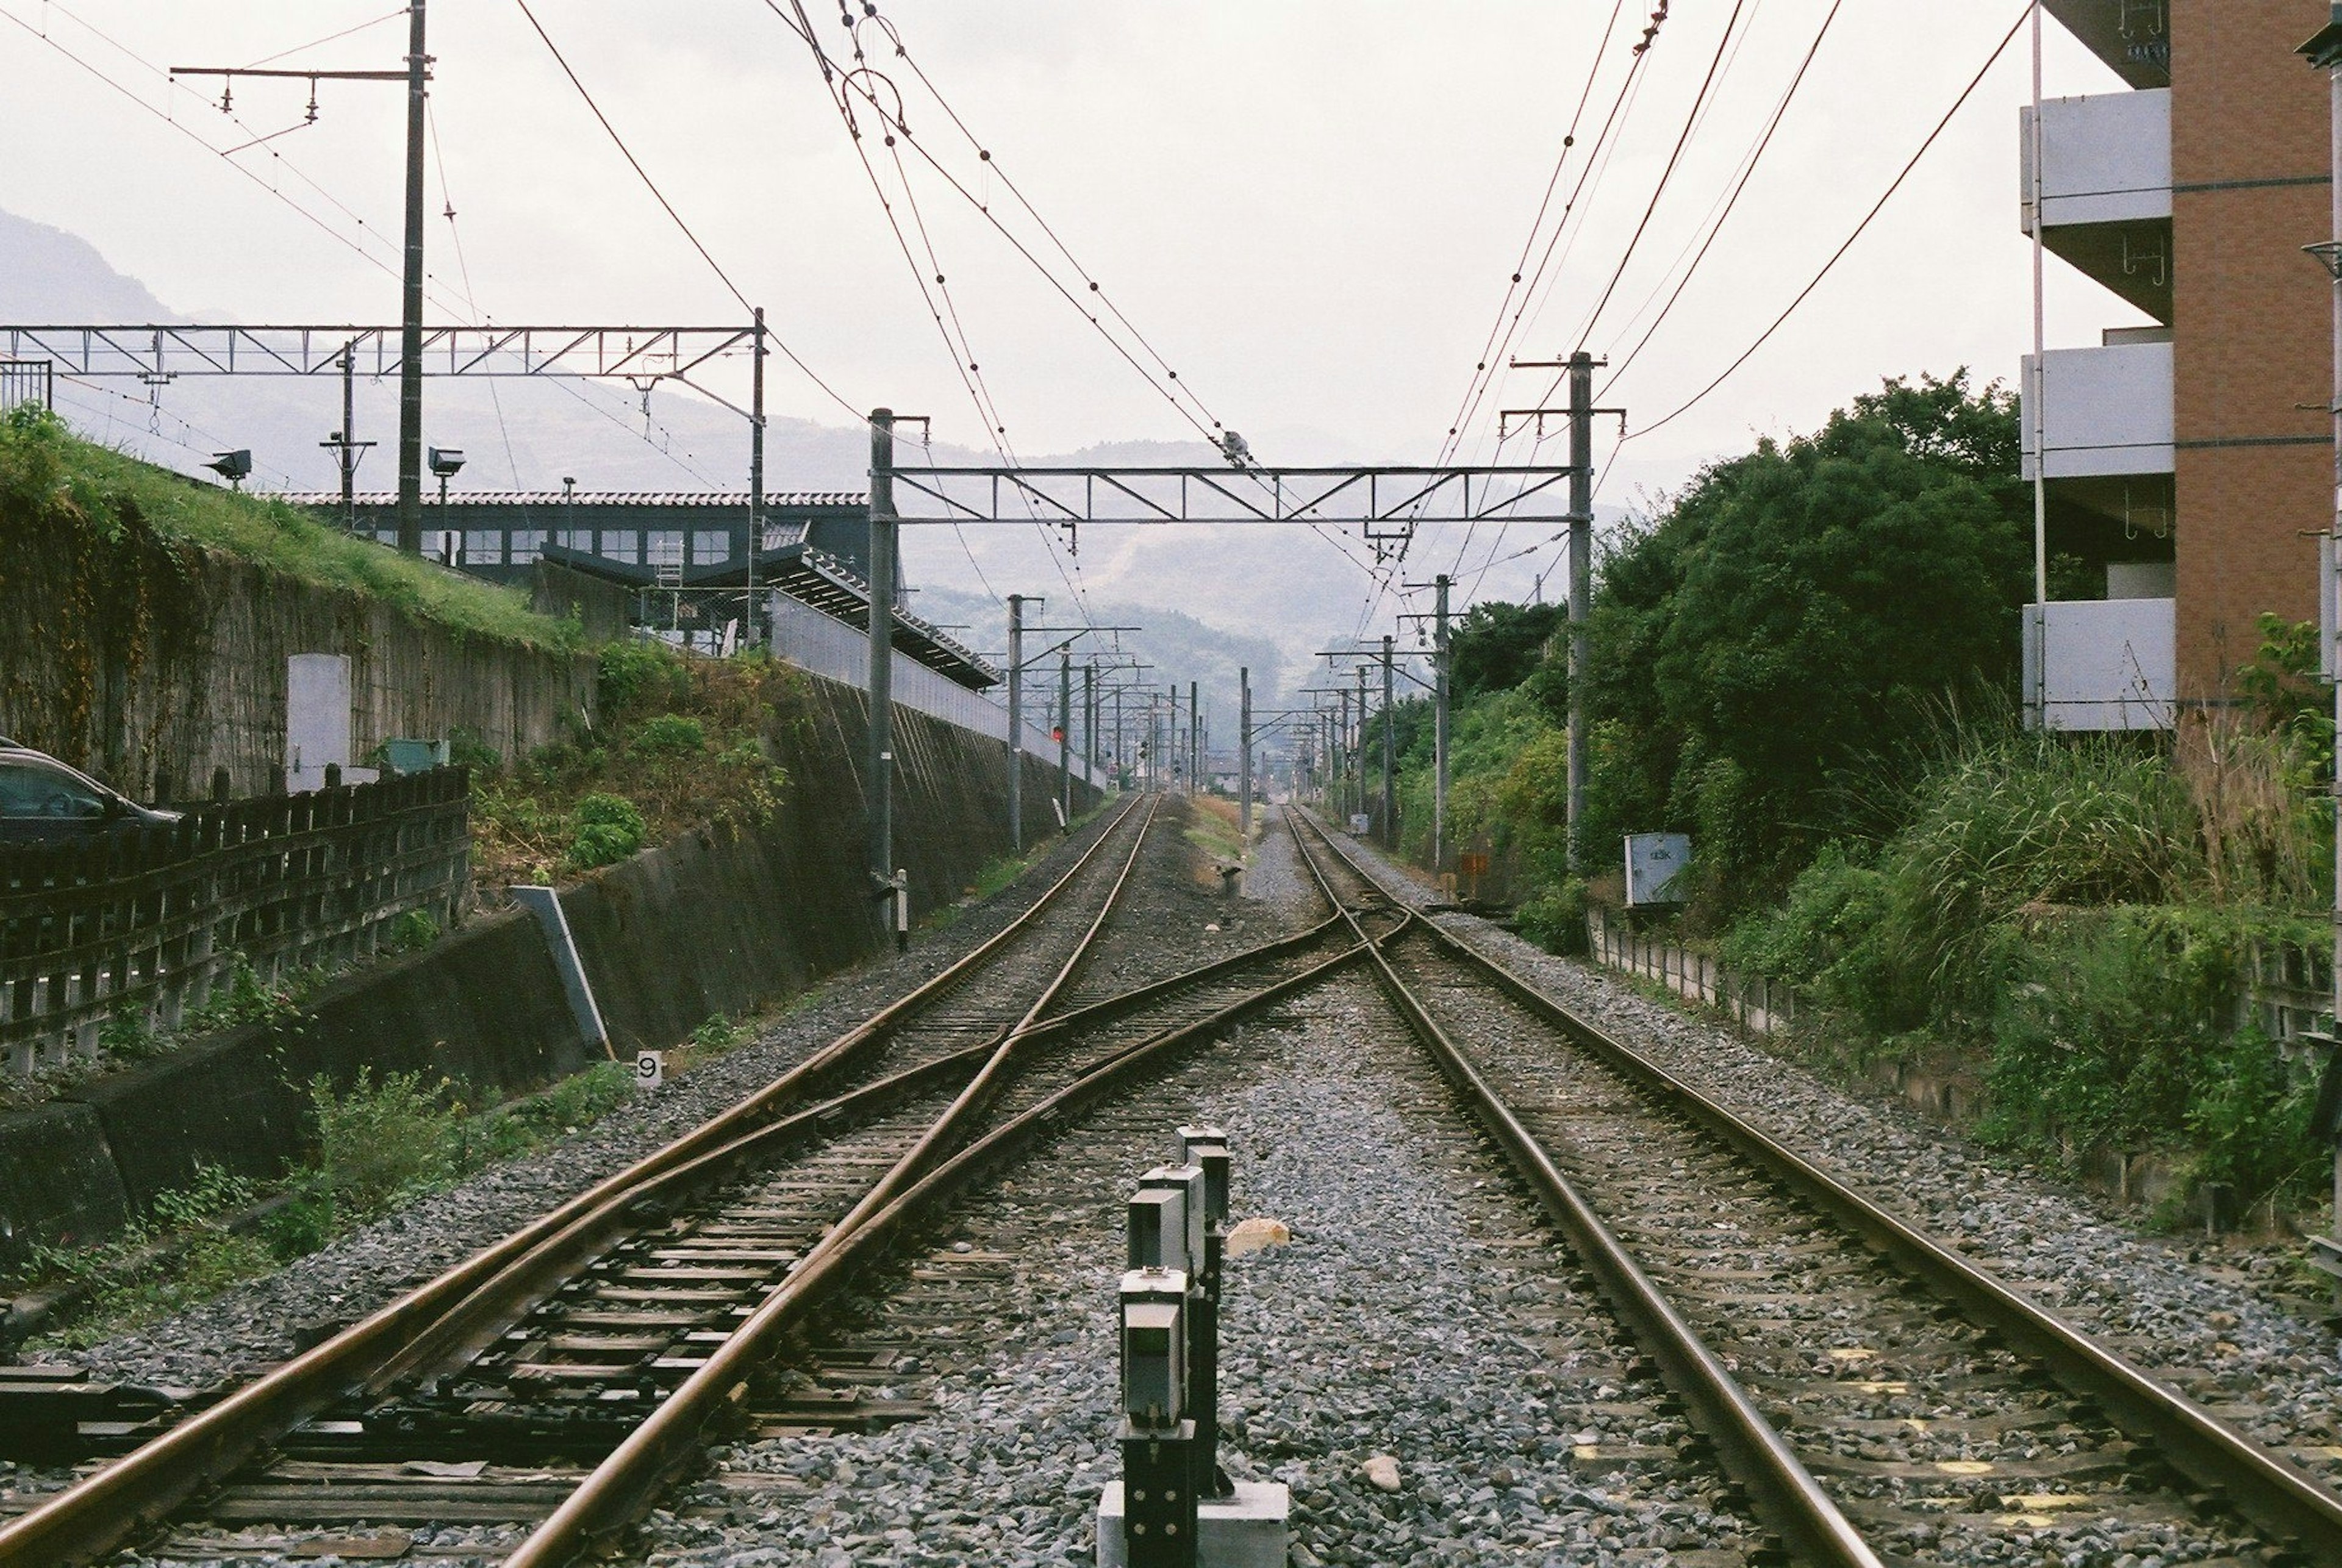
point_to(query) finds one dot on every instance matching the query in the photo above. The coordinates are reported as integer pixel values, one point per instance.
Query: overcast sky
(1311, 210)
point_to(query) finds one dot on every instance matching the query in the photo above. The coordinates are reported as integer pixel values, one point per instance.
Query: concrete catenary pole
(410, 321)
(1089, 725)
(1065, 733)
(1359, 743)
(1243, 760)
(1017, 603)
(1195, 741)
(1581, 573)
(1440, 697)
(882, 530)
(1390, 754)
(756, 476)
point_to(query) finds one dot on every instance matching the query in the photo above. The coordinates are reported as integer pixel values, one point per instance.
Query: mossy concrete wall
(143, 662)
(725, 919)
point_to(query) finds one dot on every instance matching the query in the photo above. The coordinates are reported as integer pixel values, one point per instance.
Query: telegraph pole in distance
(1440, 696)
(1244, 759)
(1017, 603)
(883, 532)
(1195, 741)
(1390, 752)
(344, 445)
(1065, 733)
(1089, 723)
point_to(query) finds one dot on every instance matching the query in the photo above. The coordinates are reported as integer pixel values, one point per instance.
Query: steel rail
(624, 1484)
(94, 1515)
(2262, 1487)
(1784, 1492)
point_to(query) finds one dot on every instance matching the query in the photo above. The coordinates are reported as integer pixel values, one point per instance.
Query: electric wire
(1667, 174)
(660, 195)
(390, 15)
(1732, 199)
(1836, 256)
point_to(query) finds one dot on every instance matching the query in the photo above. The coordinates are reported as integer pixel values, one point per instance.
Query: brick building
(2186, 462)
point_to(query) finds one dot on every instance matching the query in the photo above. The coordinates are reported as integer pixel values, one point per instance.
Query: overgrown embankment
(145, 620)
(1806, 661)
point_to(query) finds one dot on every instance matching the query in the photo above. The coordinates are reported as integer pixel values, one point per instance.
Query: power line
(1732, 200)
(1958, 104)
(860, 415)
(1675, 158)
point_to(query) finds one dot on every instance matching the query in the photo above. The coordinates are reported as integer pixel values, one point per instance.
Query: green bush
(237, 998)
(670, 734)
(412, 931)
(380, 1141)
(608, 828)
(1555, 920)
(640, 672)
(2118, 1031)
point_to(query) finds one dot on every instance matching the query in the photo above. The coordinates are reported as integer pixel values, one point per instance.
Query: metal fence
(23, 381)
(825, 646)
(144, 924)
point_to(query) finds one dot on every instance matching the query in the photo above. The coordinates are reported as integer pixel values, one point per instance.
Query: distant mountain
(1254, 587)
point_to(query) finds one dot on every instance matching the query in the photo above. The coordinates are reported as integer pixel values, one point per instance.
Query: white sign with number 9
(650, 1069)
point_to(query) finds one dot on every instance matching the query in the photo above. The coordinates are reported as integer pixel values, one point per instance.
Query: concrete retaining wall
(141, 662)
(724, 920)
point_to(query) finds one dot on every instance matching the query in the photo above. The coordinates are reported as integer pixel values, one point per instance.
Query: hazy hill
(1285, 587)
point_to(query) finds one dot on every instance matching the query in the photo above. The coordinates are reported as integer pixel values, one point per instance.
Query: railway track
(558, 1381)
(1879, 1397)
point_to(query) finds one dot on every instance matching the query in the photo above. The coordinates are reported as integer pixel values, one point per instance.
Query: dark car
(42, 801)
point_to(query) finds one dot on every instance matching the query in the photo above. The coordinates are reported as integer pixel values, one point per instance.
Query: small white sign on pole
(1653, 863)
(650, 1069)
(1361, 823)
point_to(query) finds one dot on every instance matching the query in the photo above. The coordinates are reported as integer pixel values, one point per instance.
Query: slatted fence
(143, 924)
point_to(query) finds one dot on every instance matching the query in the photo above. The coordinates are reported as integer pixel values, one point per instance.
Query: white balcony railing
(2105, 411)
(2105, 159)
(2100, 663)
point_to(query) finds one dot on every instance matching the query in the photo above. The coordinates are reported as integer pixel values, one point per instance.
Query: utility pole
(883, 524)
(1171, 730)
(1244, 758)
(1017, 603)
(1581, 576)
(1440, 697)
(1579, 517)
(755, 471)
(344, 445)
(410, 321)
(1065, 733)
(1358, 742)
(1390, 754)
(1089, 723)
(1195, 741)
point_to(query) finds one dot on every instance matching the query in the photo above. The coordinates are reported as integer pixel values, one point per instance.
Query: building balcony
(2100, 663)
(2106, 411)
(2106, 192)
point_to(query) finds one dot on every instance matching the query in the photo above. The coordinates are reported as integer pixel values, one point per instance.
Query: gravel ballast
(1420, 1315)
(2201, 1317)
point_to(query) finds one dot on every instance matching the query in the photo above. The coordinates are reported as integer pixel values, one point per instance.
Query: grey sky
(1310, 208)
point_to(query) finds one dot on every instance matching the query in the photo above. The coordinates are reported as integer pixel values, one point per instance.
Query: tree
(1496, 646)
(1792, 613)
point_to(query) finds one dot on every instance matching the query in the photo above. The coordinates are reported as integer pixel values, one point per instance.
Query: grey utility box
(1653, 860)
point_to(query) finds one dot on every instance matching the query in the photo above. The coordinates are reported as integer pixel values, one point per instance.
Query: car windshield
(37, 789)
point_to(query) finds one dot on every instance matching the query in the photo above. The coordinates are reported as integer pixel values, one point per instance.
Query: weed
(182, 1252)
(608, 829)
(237, 998)
(414, 929)
(669, 735)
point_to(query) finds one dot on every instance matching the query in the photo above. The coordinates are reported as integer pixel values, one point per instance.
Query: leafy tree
(1793, 612)
(1496, 646)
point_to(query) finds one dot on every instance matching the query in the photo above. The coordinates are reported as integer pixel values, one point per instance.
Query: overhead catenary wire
(652, 185)
(1837, 255)
(1732, 199)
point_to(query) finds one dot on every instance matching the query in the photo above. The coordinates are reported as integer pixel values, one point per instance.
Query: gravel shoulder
(2209, 1319)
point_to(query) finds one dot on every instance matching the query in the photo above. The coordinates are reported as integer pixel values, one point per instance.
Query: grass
(113, 487)
(381, 1146)
(1212, 828)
